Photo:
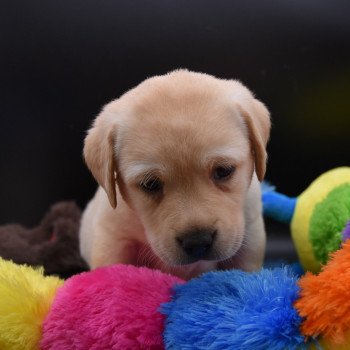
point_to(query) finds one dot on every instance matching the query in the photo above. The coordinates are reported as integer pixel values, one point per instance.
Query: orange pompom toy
(325, 301)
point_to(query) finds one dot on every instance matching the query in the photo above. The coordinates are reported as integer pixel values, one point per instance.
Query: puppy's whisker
(141, 256)
(153, 260)
(219, 252)
(146, 257)
(244, 245)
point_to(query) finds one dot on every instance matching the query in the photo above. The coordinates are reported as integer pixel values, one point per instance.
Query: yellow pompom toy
(25, 299)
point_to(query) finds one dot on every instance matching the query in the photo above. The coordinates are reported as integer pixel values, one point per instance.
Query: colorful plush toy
(235, 310)
(319, 217)
(127, 307)
(325, 302)
(25, 299)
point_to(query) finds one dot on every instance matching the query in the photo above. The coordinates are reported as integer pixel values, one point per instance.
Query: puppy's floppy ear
(99, 155)
(257, 119)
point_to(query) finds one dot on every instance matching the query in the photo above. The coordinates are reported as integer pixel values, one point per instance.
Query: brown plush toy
(54, 243)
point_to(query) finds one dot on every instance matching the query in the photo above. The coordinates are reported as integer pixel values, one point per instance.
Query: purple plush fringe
(346, 232)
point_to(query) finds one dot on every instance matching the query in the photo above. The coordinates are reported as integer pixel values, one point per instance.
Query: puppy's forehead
(183, 138)
(183, 120)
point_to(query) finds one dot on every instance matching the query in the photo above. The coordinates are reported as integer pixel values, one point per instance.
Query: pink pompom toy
(114, 308)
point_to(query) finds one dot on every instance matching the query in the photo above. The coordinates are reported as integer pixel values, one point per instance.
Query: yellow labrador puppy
(178, 160)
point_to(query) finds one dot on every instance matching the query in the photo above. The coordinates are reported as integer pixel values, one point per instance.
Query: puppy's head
(183, 149)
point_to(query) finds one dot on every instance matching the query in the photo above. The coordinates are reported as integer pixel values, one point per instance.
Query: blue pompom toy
(235, 310)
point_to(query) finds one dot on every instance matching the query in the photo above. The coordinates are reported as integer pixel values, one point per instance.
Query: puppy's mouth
(184, 259)
(200, 244)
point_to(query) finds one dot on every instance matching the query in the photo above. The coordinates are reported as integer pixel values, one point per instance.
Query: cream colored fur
(177, 128)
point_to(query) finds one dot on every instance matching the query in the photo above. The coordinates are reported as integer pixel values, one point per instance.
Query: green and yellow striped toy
(319, 217)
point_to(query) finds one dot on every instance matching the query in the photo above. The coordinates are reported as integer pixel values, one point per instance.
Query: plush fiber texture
(276, 205)
(52, 244)
(110, 308)
(325, 299)
(315, 193)
(235, 310)
(25, 299)
(346, 232)
(327, 222)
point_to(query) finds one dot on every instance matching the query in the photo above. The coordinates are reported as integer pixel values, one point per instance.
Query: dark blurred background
(61, 61)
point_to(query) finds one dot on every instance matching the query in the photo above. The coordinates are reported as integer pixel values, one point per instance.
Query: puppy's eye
(222, 173)
(152, 186)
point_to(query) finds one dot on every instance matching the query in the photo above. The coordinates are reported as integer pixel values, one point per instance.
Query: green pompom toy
(319, 217)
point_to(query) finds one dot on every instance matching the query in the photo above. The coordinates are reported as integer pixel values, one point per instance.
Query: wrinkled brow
(138, 171)
(233, 154)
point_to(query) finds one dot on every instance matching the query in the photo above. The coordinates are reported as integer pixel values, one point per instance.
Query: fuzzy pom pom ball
(325, 301)
(235, 310)
(109, 308)
(25, 300)
(307, 225)
(328, 221)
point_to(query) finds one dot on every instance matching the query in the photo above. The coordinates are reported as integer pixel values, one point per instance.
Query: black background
(61, 61)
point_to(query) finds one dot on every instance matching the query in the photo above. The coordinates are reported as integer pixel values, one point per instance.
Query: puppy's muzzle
(197, 243)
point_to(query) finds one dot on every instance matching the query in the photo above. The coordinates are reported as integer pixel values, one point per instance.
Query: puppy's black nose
(197, 243)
